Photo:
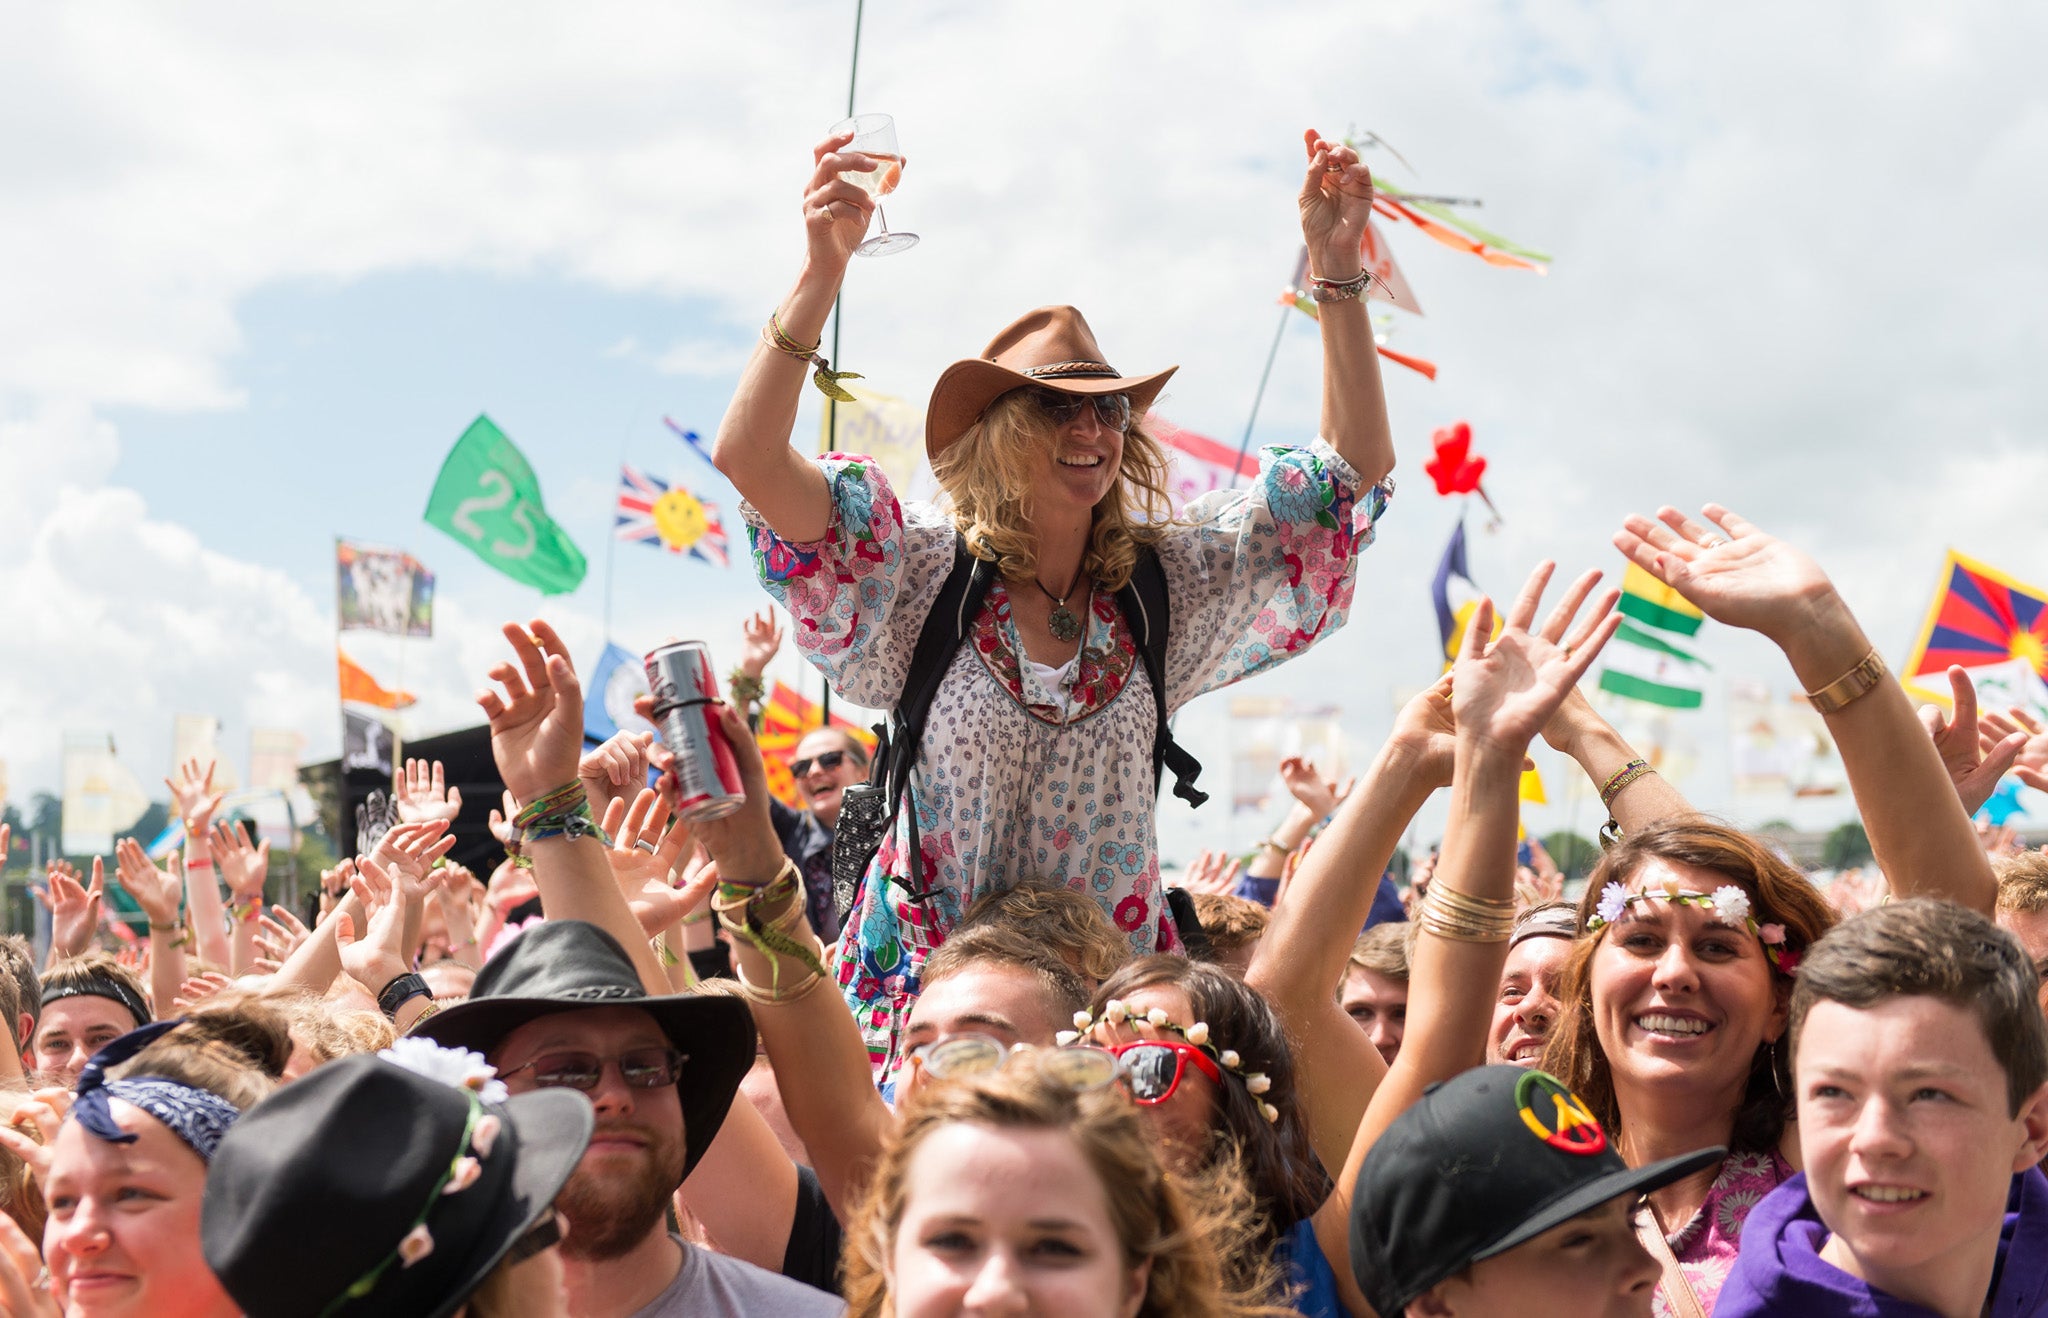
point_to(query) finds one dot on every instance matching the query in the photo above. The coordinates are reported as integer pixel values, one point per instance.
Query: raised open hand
(1504, 691)
(279, 933)
(193, 794)
(646, 853)
(198, 988)
(242, 866)
(2031, 765)
(1974, 762)
(763, 633)
(1735, 574)
(615, 770)
(377, 956)
(160, 893)
(1211, 872)
(413, 848)
(1336, 202)
(1308, 786)
(423, 794)
(501, 823)
(42, 1112)
(537, 723)
(74, 907)
(1428, 728)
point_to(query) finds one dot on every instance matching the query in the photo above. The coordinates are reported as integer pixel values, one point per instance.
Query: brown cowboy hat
(1051, 346)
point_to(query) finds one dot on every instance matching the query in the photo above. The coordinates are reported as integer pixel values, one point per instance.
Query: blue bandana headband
(197, 1116)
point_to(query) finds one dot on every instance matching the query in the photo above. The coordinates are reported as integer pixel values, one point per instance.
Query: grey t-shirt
(717, 1286)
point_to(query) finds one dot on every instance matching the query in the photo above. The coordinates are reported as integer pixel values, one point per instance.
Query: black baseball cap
(1483, 1163)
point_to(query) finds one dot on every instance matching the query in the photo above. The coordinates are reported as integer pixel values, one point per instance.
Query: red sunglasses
(1152, 1068)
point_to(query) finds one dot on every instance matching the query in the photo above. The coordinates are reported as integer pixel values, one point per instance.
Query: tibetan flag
(1641, 665)
(1654, 604)
(488, 498)
(653, 512)
(785, 718)
(1980, 618)
(359, 688)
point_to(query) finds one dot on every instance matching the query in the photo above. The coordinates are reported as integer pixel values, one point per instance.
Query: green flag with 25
(488, 498)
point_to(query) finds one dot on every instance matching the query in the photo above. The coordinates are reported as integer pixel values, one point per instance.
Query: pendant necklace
(1063, 625)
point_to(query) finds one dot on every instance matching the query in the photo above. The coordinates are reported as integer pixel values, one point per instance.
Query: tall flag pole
(839, 303)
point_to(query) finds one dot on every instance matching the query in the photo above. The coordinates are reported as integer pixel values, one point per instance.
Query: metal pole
(1279, 332)
(838, 304)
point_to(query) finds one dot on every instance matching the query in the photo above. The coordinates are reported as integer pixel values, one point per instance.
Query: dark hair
(1935, 949)
(18, 975)
(1277, 1163)
(1778, 894)
(1008, 945)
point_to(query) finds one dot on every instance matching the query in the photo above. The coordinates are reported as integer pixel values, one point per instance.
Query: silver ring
(1712, 542)
(645, 846)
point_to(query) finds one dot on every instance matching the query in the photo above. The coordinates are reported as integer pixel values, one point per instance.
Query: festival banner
(1199, 464)
(619, 677)
(384, 590)
(888, 429)
(1780, 748)
(1989, 623)
(651, 511)
(786, 718)
(1640, 665)
(359, 688)
(488, 498)
(274, 759)
(102, 797)
(368, 742)
(197, 737)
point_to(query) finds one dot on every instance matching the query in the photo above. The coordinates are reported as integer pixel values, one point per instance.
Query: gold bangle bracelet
(1850, 686)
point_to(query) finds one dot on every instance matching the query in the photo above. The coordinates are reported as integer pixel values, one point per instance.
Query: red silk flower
(1455, 468)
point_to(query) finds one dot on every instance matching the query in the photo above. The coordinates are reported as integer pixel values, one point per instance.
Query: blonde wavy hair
(990, 473)
(1186, 1231)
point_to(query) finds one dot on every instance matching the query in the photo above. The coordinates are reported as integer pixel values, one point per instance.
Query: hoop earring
(1772, 1062)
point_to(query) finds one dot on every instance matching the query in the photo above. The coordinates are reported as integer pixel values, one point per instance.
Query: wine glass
(875, 135)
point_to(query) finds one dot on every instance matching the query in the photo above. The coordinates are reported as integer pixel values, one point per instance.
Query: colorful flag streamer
(359, 688)
(653, 512)
(692, 441)
(1199, 464)
(488, 498)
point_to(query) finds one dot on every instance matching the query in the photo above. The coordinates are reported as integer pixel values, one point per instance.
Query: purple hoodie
(1780, 1270)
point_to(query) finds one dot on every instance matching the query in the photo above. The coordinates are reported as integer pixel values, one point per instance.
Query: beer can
(707, 775)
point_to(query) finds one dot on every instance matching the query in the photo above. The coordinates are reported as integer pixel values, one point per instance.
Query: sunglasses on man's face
(640, 1068)
(1112, 410)
(828, 761)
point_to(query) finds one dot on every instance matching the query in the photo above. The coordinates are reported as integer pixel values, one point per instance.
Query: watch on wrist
(399, 992)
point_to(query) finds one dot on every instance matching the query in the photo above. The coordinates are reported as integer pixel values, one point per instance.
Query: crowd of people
(945, 1040)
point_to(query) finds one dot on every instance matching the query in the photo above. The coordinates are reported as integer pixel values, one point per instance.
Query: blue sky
(264, 267)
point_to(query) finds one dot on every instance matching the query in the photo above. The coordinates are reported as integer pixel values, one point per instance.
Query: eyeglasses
(1112, 410)
(640, 1068)
(958, 1056)
(1152, 1068)
(828, 761)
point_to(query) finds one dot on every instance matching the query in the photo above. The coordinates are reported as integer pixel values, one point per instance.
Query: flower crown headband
(1729, 904)
(1116, 1011)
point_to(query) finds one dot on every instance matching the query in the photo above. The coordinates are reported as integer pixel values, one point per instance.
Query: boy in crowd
(2023, 907)
(1920, 1059)
(1499, 1194)
(1375, 990)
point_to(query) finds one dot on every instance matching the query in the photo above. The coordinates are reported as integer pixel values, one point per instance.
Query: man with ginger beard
(562, 1006)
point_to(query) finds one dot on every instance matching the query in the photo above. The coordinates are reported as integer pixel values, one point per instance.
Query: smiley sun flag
(653, 512)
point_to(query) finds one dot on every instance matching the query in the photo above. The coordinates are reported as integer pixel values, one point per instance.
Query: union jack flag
(653, 512)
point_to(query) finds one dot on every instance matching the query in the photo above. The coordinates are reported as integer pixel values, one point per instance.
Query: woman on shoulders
(1037, 756)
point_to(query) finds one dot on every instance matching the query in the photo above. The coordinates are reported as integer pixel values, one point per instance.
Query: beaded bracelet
(245, 911)
(824, 377)
(1339, 290)
(1610, 832)
(744, 687)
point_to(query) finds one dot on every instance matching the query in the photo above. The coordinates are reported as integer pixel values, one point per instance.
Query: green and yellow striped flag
(1654, 604)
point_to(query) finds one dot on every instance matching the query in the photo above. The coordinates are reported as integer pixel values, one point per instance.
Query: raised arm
(828, 1087)
(159, 893)
(1737, 574)
(193, 794)
(753, 447)
(1503, 693)
(1634, 796)
(1336, 203)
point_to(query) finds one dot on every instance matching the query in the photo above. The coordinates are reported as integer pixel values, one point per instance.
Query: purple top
(1780, 1270)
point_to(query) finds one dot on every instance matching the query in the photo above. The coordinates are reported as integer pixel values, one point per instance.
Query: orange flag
(358, 687)
(785, 717)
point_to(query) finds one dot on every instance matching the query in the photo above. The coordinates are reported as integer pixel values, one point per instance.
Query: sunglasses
(958, 1056)
(829, 761)
(640, 1068)
(1152, 1068)
(1112, 410)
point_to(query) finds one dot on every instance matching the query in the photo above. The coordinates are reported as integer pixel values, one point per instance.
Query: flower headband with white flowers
(1729, 904)
(1116, 1011)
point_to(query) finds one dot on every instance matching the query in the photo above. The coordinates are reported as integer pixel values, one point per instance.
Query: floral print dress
(1706, 1246)
(1017, 778)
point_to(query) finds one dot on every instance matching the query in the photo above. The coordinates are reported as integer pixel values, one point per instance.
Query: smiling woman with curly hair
(1042, 748)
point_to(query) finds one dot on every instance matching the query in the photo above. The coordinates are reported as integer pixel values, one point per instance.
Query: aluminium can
(685, 692)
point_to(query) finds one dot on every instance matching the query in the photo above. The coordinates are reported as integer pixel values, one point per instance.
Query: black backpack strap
(1149, 615)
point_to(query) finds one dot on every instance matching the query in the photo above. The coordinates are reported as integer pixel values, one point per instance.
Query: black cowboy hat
(568, 965)
(312, 1193)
